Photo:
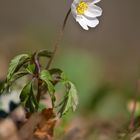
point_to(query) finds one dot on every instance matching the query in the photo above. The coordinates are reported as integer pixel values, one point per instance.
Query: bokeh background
(103, 62)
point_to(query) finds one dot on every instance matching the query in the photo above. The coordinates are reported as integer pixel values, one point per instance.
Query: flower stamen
(81, 7)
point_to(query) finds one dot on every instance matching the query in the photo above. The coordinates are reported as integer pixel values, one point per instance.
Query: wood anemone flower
(86, 12)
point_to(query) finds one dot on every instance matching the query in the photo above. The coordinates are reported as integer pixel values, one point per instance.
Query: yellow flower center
(81, 7)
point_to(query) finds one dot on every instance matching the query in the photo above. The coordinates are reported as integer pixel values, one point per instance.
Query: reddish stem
(58, 39)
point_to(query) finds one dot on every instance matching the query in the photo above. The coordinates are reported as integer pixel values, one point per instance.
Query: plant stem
(38, 69)
(38, 91)
(132, 118)
(36, 61)
(58, 39)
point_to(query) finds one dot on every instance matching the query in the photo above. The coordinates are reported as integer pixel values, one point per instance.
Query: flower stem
(58, 39)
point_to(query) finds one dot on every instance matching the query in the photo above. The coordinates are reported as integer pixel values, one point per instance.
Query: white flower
(86, 12)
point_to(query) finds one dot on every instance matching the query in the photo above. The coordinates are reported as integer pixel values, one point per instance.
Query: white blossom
(86, 12)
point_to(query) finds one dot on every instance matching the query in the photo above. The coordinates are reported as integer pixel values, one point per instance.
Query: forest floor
(40, 126)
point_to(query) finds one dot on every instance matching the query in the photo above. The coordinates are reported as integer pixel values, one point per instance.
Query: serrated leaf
(28, 99)
(18, 75)
(31, 68)
(55, 71)
(7, 84)
(45, 53)
(24, 95)
(5, 89)
(56, 74)
(45, 75)
(74, 96)
(70, 100)
(2, 84)
(47, 78)
(34, 100)
(30, 106)
(15, 63)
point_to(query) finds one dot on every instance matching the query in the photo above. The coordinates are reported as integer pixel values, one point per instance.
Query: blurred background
(102, 62)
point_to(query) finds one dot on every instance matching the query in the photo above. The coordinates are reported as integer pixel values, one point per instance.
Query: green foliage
(14, 71)
(46, 76)
(4, 88)
(16, 63)
(30, 68)
(71, 99)
(44, 53)
(47, 79)
(41, 81)
(28, 99)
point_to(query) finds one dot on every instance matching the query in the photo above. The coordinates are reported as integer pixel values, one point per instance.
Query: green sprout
(41, 81)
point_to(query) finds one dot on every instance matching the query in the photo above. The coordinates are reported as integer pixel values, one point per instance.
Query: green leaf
(16, 63)
(63, 77)
(46, 75)
(47, 78)
(70, 100)
(55, 71)
(18, 75)
(5, 87)
(31, 68)
(28, 99)
(73, 95)
(56, 74)
(45, 53)
(25, 93)
(2, 85)
(41, 107)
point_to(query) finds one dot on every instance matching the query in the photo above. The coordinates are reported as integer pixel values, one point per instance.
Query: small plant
(41, 79)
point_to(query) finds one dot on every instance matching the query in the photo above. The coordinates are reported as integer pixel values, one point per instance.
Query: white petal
(91, 22)
(95, 1)
(73, 10)
(76, 2)
(82, 22)
(93, 11)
